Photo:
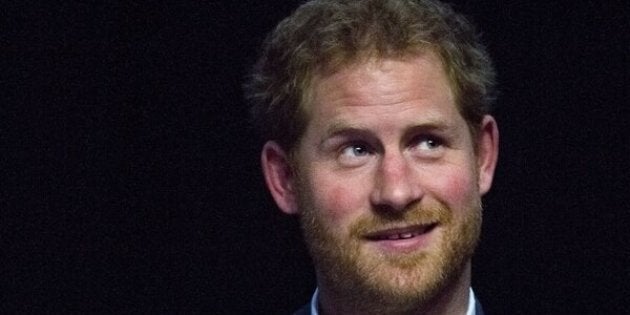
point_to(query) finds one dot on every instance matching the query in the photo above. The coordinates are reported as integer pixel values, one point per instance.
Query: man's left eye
(428, 143)
(355, 150)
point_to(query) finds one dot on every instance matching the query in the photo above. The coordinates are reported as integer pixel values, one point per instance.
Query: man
(379, 137)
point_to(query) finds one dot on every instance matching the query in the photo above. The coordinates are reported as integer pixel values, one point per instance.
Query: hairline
(325, 70)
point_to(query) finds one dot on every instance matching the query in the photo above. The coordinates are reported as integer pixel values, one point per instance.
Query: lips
(400, 233)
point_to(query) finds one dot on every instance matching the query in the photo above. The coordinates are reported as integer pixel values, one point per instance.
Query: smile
(400, 233)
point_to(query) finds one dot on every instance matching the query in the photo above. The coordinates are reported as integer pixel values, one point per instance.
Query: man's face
(387, 182)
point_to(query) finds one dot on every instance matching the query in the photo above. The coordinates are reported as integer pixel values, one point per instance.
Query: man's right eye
(354, 155)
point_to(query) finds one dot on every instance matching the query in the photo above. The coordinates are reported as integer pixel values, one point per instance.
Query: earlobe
(488, 152)
(279, 177)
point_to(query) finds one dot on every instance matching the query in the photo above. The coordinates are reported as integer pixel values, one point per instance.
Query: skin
(386, 155)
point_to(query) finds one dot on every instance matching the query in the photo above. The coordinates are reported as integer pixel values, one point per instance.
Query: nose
(396, 185)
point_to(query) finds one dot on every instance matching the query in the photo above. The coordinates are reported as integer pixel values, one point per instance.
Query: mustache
(416, 215)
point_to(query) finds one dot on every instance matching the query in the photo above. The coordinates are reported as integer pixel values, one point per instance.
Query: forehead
(387, 98)
(386, 81)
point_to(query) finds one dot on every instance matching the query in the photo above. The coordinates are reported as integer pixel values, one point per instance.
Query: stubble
(372, 282)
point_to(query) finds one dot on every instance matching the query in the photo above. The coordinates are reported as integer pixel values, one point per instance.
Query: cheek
(338, 200)
(457, 189)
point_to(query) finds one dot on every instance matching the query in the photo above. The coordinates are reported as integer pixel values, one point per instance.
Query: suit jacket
(306, 309)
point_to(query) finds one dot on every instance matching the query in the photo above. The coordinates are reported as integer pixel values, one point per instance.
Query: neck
(452, 299)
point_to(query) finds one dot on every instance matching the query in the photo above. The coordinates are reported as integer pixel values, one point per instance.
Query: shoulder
(478, 309)
(305, 310)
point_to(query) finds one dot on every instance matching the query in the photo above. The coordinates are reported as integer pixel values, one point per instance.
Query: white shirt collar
(314, 310)
(471, 303)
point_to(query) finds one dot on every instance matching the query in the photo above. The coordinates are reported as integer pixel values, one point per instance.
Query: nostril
(388, 211)
(395, 213)
(395, 186)
(388, 198)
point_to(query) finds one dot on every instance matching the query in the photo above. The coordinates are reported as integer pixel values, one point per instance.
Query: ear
(279, 177)
(487, 152)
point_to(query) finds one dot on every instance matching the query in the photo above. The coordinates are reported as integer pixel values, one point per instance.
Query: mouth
(400, 233)
(403, 239)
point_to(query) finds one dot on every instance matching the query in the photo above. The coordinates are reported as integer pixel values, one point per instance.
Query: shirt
(471, 303)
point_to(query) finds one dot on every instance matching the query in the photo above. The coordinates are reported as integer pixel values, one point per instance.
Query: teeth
(400, 236)
(406, 235)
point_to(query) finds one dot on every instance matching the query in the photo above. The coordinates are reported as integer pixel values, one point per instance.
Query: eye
(354, 155)
(428, 143)
(355, 150)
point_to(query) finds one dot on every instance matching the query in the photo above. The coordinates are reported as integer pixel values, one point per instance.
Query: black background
(130, 178)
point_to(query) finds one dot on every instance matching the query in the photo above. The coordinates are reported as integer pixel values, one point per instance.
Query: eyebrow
(344, 129)
(433, 126)
(339, 129)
